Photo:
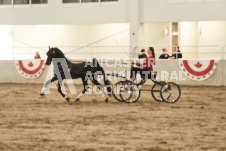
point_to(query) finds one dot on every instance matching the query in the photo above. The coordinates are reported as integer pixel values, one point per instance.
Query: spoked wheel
(156, 90)
(117, 90)
(130, 92)
(170, 92)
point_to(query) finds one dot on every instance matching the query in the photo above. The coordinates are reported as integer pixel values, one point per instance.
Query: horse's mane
(59, 53)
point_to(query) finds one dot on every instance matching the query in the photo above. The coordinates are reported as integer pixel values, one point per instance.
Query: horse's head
(53, 53)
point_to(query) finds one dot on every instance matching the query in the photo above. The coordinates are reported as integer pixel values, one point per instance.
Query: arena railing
(223, 65)
(82, 52)
(224, 52)
(189, 52)
(75, 52)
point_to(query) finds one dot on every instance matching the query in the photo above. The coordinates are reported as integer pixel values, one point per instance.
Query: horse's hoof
(106, 100)
(77, 100)
(68, 99)
(42, 94)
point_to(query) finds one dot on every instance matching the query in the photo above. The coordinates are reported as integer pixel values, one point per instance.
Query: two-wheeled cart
(129, 92)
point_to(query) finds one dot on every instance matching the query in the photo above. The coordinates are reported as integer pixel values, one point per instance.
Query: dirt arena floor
(31, 122)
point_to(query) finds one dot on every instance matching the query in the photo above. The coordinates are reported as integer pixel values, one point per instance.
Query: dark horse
(78, 70)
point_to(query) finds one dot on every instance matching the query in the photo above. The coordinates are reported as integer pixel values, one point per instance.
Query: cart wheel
(170, 92)
(117, 90)
(130, 92)
(156, 90)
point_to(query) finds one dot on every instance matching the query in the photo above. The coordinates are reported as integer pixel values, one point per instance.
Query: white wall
(153, 36)
(72, 37)
(212, 33)
(189, 39)
(112, 39)
(162, 11)
(5, 44)
(201, 40)
(56, 13)
(150, 11)
(209, 36)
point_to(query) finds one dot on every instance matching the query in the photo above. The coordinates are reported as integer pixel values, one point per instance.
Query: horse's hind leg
(101, 89)
(59, 90)
(86, 87)
(47, 83)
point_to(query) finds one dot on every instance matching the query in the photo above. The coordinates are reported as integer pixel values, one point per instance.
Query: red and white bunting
(30, 68)
(198, 69)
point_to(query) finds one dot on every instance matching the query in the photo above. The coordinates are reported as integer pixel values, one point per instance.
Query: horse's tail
(106, 81)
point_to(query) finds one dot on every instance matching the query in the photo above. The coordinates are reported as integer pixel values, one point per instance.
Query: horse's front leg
(59, 90)
(47, 83)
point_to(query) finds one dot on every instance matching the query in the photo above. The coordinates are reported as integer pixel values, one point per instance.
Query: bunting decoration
(198, 69)
(30, 68)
